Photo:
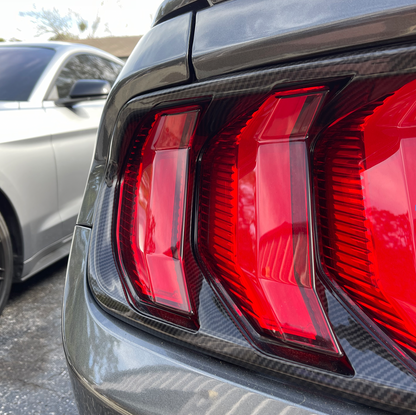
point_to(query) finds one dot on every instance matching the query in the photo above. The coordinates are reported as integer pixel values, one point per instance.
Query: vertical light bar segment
(282, 213)
(254, 233)
(366, 181)
(154, 228)
(163, 245)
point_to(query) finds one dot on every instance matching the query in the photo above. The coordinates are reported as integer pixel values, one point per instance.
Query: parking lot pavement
(33, 375)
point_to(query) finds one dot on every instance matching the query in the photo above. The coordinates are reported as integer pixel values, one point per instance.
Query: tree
(60, 27)
(51, 21)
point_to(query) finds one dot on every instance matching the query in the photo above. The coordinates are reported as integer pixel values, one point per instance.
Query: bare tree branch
(51, 21)
(60, 27)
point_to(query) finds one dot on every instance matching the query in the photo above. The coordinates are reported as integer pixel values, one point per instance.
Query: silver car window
(21, 67)
(85, 67)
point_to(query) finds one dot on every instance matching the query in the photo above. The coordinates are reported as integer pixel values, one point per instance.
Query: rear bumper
(118, 369)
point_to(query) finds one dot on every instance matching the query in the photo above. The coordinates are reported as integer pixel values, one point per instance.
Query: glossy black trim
(158, 61)
(172, 8)
(242, 34)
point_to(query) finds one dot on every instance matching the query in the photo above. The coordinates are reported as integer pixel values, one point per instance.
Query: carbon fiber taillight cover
(382, 377)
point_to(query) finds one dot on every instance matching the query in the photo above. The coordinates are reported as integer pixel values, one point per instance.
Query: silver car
(51, 98)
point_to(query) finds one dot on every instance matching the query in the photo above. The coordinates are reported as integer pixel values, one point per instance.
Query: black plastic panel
(158, 61)
(242, 34)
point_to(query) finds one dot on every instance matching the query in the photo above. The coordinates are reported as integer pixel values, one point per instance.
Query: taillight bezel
(347, 69)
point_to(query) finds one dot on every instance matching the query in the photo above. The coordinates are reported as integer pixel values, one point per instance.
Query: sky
(117, 17)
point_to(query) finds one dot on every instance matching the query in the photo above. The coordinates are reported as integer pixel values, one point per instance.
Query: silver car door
(28, 176)
(73, 143)
(75, 131)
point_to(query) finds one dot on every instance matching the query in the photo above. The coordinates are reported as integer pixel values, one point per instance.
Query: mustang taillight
(245, 216)
(151, 214)
(254, 231)
(365, 174)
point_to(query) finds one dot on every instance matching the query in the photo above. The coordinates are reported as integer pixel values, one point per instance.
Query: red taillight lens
(254, 230)
(254, 215)
(151, 213)
(366, 193)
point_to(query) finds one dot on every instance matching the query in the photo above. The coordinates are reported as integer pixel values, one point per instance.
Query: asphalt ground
(33, 374)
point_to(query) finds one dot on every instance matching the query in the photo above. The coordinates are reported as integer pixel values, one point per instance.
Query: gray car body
(45, 154)
(118, 369)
